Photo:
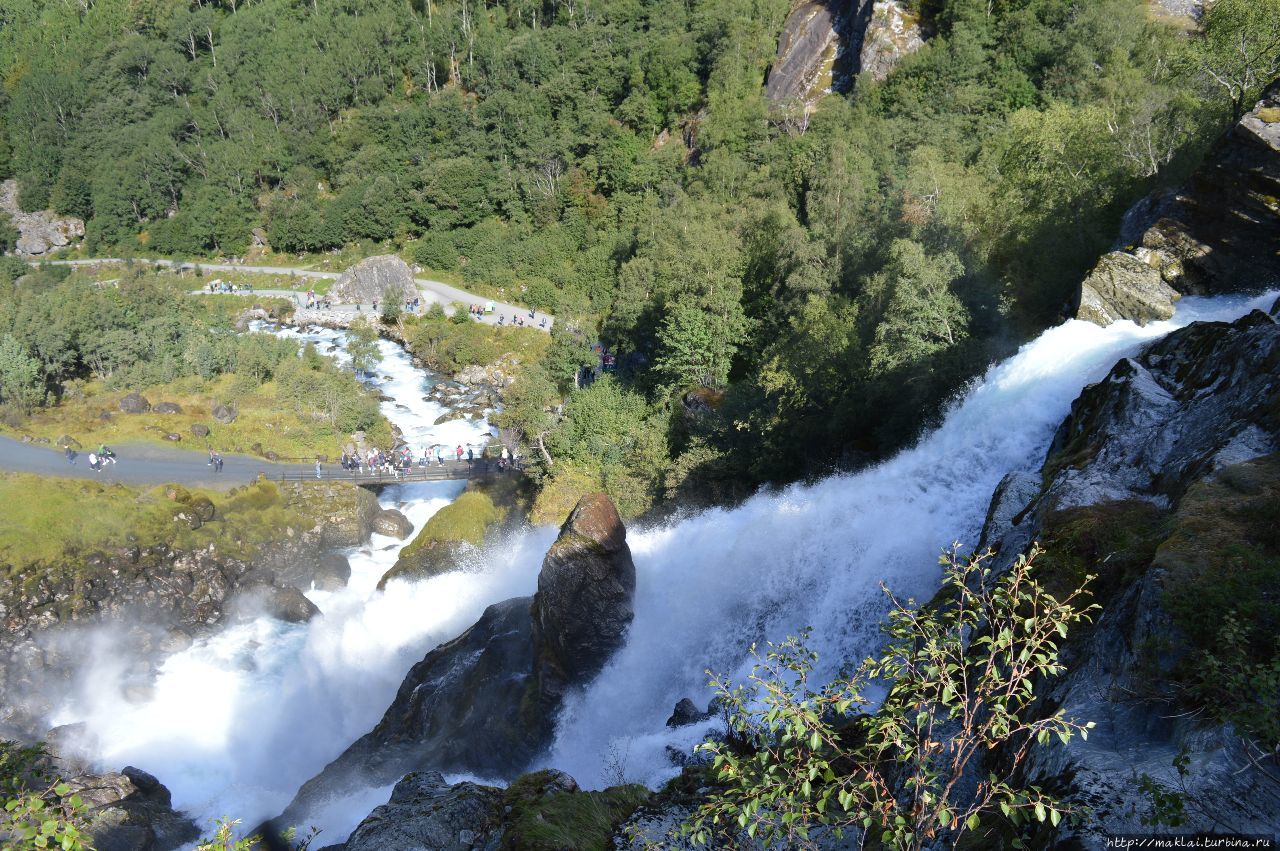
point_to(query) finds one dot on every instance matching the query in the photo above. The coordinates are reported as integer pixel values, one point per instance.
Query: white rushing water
(239, 720)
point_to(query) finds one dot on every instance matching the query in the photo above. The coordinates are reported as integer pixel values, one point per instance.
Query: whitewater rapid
(239, 720)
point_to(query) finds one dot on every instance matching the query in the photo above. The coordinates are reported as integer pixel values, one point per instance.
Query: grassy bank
(47, 519)
(271, 418)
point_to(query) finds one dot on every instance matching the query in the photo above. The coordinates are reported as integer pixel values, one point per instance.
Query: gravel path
(432, 291)
(140, 463)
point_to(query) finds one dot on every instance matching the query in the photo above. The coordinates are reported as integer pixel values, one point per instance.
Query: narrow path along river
(235, 723)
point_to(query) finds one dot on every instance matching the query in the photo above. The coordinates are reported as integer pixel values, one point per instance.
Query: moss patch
(1114, 541)
(581, 821)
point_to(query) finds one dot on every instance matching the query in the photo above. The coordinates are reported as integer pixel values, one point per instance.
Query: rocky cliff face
(892, 33)
(814, 33)
(1217, 234)
(40, 232)
(485, 702)
(1157, 479)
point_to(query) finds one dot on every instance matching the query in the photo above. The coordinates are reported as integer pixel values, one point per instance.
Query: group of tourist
(215, 460)
(97, 460)
(316, 302)
(397, 462)
(217, 286)
(518, 321)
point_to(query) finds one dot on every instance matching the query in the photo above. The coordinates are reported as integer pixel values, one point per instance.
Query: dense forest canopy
(824, 283)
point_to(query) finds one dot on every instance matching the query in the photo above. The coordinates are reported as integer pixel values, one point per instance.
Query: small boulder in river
(225, 413)
(135, 403)
(289, 605)
(333, 571)
(392, 523)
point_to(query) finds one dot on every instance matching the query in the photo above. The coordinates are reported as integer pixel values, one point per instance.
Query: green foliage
(20, 381)
(224, 839)
(960, 675)
(362, 346)
(40, 810)
(1241, 48)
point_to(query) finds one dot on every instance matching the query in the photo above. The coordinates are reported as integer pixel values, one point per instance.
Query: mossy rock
(546, 812)
(460, 527)
(1114, 541)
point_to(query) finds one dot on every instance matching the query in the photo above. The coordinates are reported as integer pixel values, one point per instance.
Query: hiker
(471, 455)
(212, 456)
(439, 457)
(71, 456)
(93, 462)
(543, 323)
(105, 454)
(318, 468)
(217, 462)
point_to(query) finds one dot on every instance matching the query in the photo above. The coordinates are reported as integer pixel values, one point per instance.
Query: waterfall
(240, 719)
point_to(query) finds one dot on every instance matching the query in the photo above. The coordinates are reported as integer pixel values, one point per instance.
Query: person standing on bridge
(459, 452)
(471, 456)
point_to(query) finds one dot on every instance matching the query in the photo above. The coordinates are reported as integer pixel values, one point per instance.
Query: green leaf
(944, 817)
(1040, 813)
(972, 822)
(1055, 817)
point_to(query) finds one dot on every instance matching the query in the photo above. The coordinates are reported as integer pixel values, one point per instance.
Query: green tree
(695, 346)
(960, 676)
(922, 314)
(40, 810)
(362, 346)
(21, 384)
(1240, 48)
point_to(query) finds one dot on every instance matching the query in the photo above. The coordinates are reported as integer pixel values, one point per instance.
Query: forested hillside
(827, 282)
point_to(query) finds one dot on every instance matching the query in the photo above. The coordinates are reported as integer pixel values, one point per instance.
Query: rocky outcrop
(807, 49)
(892, 33)
(381, 278)
(1149, 485)
(40, 232)
(132, 811)
(1217, 234)
(485, 703)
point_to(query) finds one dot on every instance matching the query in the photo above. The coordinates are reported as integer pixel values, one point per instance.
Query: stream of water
(239, 720)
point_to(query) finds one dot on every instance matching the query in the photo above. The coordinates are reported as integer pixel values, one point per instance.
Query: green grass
(264, 420)
(50, 521)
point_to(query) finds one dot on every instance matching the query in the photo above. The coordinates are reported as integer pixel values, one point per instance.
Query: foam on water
(243, 717)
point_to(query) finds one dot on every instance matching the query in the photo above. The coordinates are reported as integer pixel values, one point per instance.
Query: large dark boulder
(135, 403)
(485, 703)
(583, 606)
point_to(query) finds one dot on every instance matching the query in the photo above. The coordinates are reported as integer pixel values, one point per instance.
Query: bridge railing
(430, 473)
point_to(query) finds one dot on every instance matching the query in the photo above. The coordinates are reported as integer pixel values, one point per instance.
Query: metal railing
(430, 473)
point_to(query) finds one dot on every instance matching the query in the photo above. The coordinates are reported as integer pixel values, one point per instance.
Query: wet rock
(333, 571)
(134, 403)
(288, 604)
(426, 812)
(225, 413)
(132, 811)
(486, 702)
(199, 430)
(686, 712)
(392, 523)
(376, 278)
(1123, 287)
(167, 408)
